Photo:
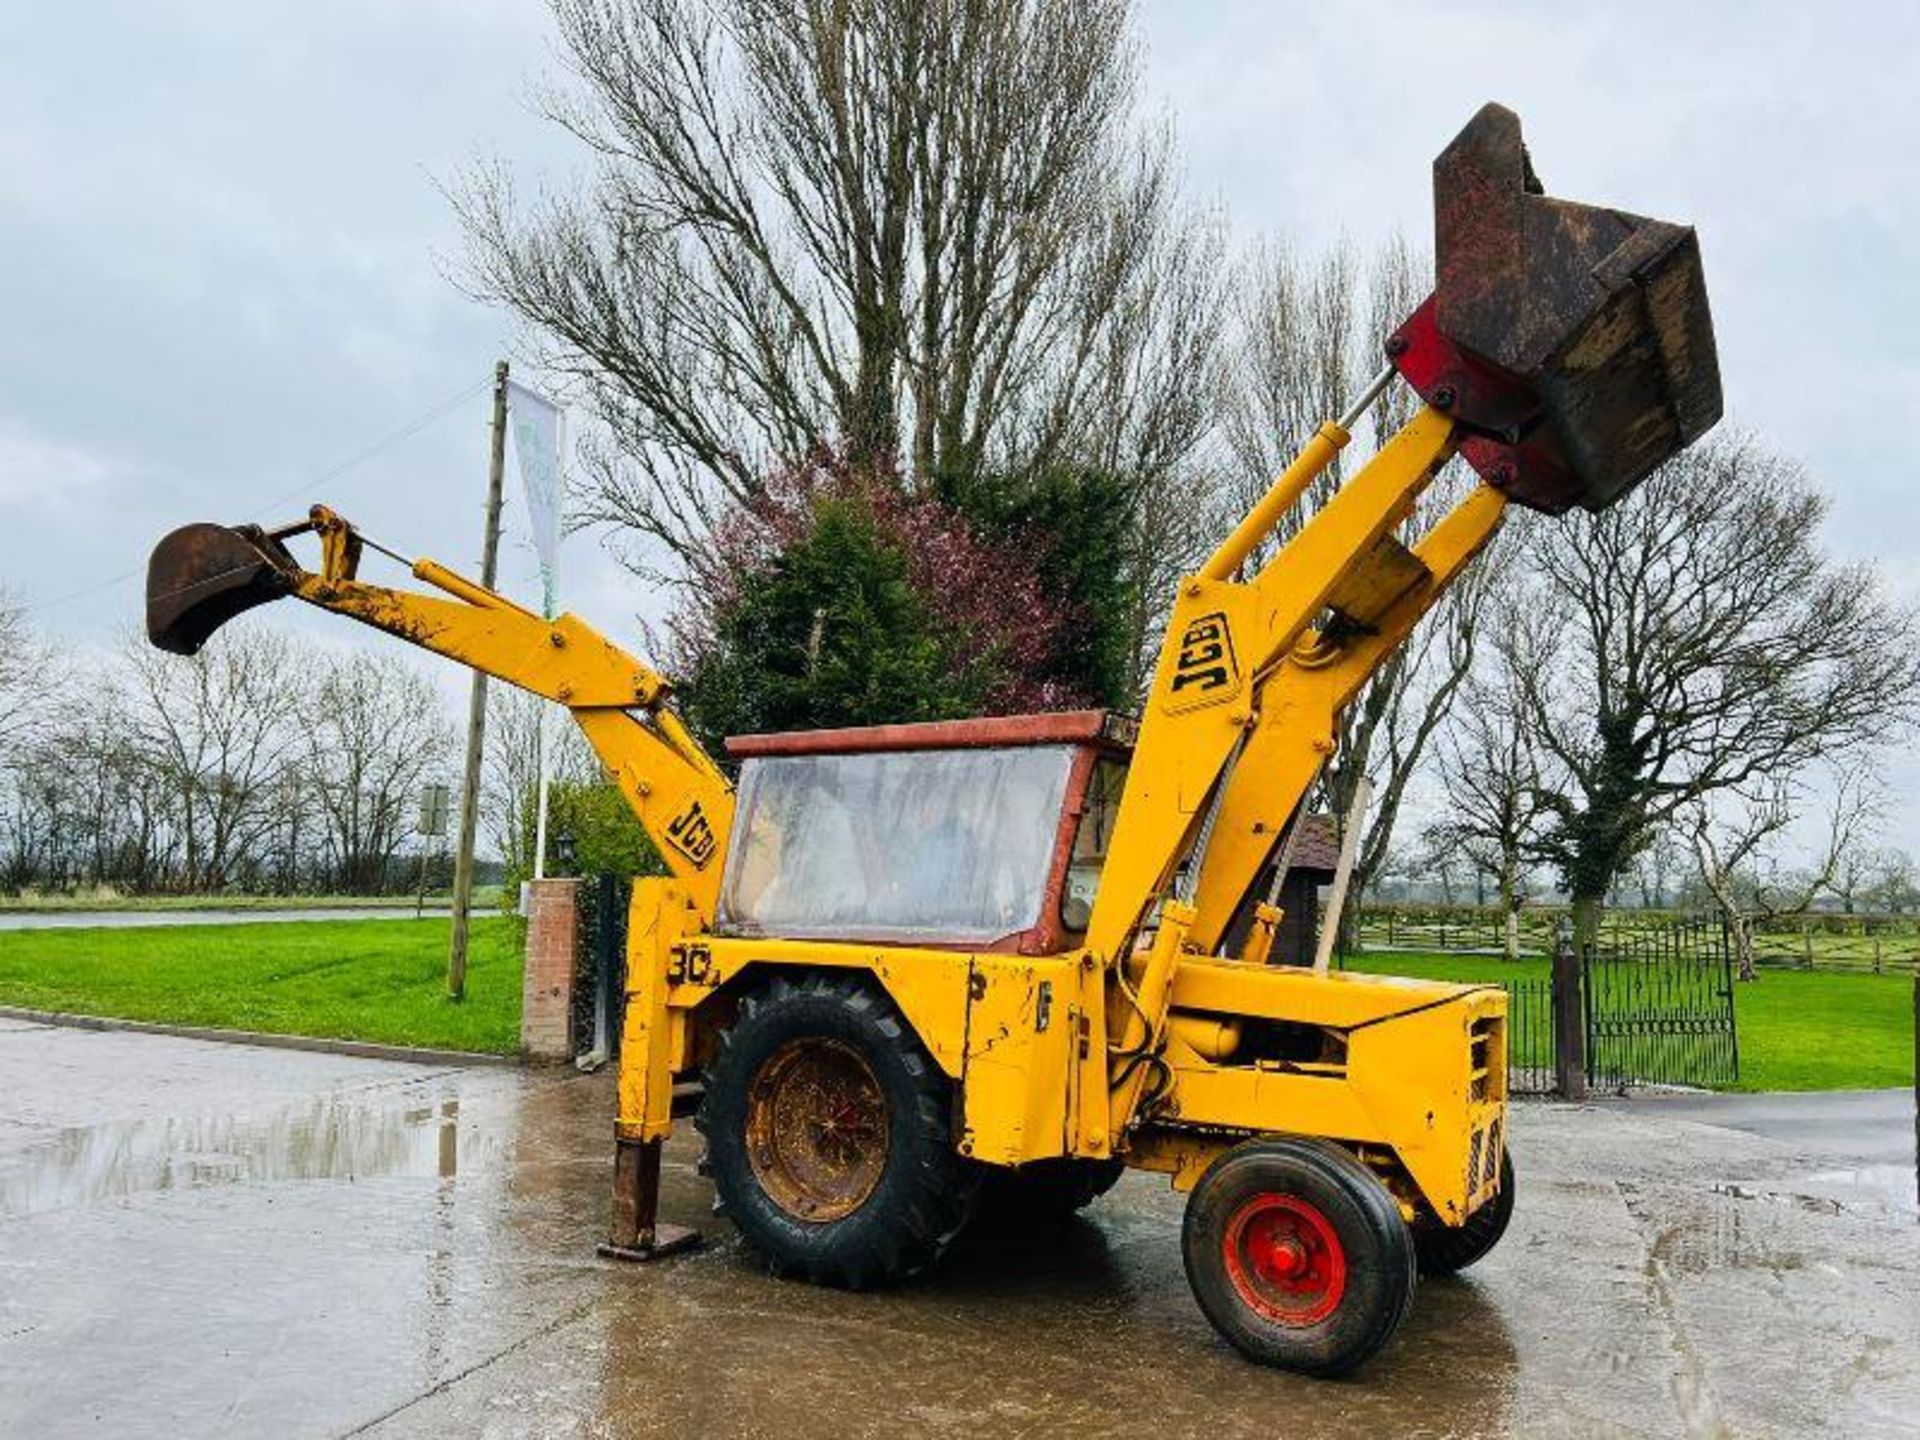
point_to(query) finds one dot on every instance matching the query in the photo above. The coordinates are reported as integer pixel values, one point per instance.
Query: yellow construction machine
(911, 965)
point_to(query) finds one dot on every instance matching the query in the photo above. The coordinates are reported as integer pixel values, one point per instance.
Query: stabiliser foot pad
(667, 1240)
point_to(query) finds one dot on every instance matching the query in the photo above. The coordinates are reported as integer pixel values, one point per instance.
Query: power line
(81, 594)
(385, 442)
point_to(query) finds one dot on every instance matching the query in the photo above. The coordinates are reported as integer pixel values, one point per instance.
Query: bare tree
(1658, 867)
(1387, 733)
(1490, 775)
(1297, 360)
(1895, 888)
(930, 227)
(379, 732)
(1439, 864)
(1855, 870)
(1730, 831)
(219, 730)
(31, 811)
(1695, 643)
(103, 810)
(510, 786)
(1307, 335)
(511, 772)
(24, 689)
(236, 769)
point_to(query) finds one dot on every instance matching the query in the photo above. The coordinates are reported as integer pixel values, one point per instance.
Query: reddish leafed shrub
(992, 608)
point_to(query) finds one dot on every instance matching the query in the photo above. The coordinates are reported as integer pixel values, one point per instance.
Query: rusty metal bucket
(201, 576)
(1573, 342)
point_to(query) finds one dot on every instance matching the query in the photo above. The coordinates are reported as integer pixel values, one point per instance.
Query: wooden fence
(1875, 944)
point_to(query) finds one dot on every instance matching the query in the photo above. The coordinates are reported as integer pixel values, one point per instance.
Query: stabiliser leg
(657, 913)
(636, 1232)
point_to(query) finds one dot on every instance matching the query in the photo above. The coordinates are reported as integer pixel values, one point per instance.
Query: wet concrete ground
(215, 1240)
(1870, 1133)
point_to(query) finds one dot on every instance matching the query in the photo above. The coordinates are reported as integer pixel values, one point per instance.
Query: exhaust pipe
(1572, 343)
(201, 576)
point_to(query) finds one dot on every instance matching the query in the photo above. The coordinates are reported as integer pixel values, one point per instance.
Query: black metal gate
(1530, 1046)
(600, 962)
(1659, 1008)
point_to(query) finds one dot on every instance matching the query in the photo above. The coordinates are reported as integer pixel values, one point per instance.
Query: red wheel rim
(1284, 1259)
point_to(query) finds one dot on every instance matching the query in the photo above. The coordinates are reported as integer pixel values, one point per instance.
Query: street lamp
(563, 850)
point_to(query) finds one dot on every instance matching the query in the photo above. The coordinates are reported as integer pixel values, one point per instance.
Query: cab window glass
(942, 844)
(1090, 842)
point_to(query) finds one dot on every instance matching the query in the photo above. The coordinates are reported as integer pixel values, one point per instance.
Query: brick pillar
(546, 993)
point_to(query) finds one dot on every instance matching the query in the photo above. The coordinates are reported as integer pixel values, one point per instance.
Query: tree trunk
(1587, 912)
(1741, 927)
(1510, 916)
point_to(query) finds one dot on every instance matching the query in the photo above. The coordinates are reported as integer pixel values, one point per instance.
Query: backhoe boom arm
(203, 575)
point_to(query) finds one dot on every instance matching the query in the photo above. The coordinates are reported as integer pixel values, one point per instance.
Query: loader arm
(1565, 353)
(203, 575)
(1253, 676)
(1305, 695)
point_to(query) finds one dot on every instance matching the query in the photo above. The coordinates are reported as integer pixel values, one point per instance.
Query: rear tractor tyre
(829, 1135)
(1448, 1249)
(1298, 1255)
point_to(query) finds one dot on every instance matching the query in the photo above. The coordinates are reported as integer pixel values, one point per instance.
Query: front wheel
(1298, 1255)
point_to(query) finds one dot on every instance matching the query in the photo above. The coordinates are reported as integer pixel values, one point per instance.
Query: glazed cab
(984, 835)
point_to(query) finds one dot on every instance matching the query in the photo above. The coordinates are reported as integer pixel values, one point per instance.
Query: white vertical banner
(538, 435)
(536, 423)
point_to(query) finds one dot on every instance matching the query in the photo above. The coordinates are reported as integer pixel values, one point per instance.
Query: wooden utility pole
(477, 706)
(1330, 923)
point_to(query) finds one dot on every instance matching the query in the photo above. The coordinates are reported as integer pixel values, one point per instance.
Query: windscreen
(933, 844)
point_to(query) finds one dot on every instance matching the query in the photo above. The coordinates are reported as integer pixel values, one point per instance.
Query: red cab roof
(1064, 727)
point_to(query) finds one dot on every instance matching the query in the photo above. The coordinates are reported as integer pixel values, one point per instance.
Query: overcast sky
(223, 256)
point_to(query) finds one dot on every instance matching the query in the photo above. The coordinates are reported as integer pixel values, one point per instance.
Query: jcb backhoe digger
(912, 963)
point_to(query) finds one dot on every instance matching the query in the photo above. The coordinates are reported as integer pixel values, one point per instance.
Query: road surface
(200, 1239)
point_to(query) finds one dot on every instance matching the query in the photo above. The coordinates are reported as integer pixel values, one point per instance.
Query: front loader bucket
(201, 576)
(1573, 342)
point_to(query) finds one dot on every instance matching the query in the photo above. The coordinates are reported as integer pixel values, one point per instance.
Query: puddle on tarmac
(1720, 1236)
(1722, 1239)
(1769, 1228)
(1812, 1204)
(1876, 1191)
(1893, 1189)
(349, 1136)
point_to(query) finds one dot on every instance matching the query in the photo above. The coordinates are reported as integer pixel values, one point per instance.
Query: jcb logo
(1204, 671)
(692, 835)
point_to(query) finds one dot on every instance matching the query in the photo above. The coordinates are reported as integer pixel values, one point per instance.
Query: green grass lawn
(485, 897)
(384, 980)
(1799, 1029)
(380, 980)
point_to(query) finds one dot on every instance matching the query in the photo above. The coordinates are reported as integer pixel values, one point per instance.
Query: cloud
(218, 228)
(39, 470)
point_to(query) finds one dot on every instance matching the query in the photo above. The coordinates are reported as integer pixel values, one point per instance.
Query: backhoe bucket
(201, 576)
(1573, 342)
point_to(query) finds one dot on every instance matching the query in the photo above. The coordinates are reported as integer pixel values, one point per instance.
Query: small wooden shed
(1316, 854)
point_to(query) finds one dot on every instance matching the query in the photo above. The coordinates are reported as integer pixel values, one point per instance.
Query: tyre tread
(1449, 1249)
(927, 1202)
